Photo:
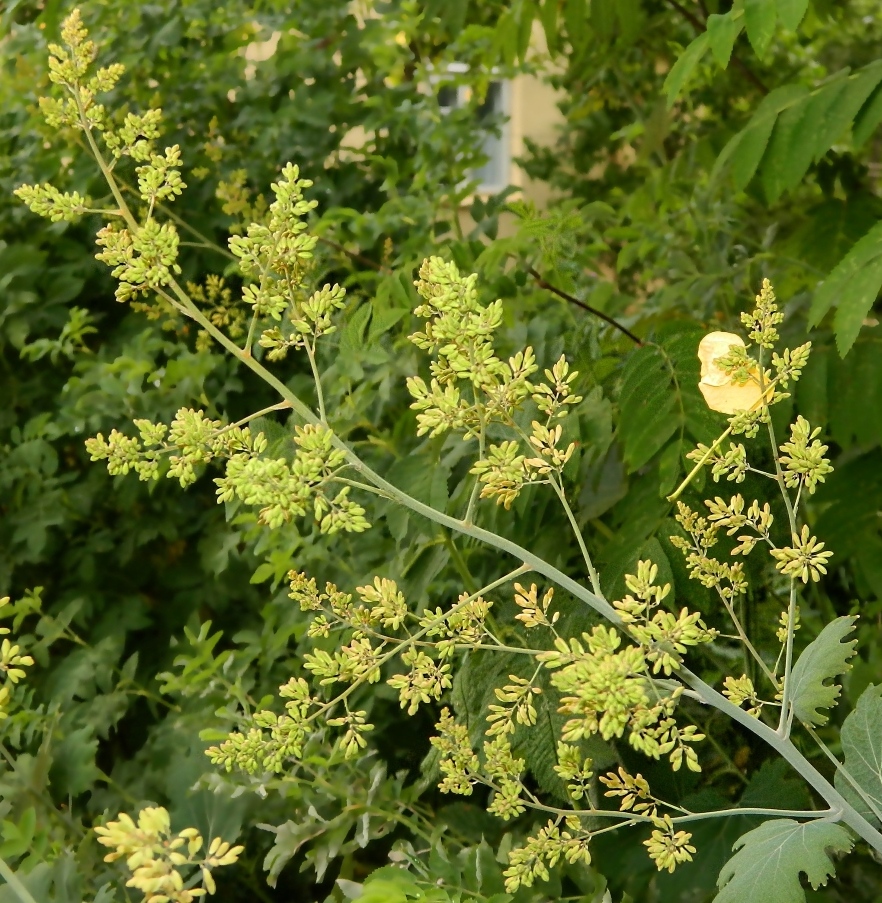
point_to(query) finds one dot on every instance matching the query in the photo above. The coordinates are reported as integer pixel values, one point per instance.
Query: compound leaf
(861, 738)
(824, 659)
(770, 859)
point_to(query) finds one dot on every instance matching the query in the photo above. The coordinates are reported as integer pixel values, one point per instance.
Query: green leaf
(548, 12)
(352, 335)
(685, 66)
(831, 228)
(669, 469)
(869, 117)
(723, 32)
(263, 573)
(759, 19)
(73, 765)
(745, 150)
(861, 738)
(647, 407)
(575, 15)
(792, 12)
(824, 659)
(840, 114)
(603, 17)
(852, 287)
(770, 859)
(798, 131)
(631, 20)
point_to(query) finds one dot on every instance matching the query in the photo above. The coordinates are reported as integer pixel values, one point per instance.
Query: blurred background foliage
(678, 180)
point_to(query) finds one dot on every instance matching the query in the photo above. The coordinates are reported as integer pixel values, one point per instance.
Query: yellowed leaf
(720, 393)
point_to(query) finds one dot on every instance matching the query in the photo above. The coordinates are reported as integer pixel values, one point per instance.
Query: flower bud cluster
(472, 388)
(159, 859)
(280, 488)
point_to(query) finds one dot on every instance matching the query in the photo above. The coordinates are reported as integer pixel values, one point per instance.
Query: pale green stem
(280, 406)
(772, 813)
(592, 571)
(310, 353)
(679, 819)
(785, 748)
(704, 459)
(23, 894)
(786, 718)
(473, 497)
(844, 772)
(249, 339)
(742, 635)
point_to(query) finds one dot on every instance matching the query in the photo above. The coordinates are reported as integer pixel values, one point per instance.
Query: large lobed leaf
(862, 748)
(824, 659)
(770, 859)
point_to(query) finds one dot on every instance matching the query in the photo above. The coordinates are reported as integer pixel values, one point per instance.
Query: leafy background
(703, 147)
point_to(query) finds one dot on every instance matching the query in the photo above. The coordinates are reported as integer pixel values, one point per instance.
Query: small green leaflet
(723, 31)
(852, 287)
(770, 859)
(760, 17)
(825, 658)
(861, 738)
(685, 66)
(792, 12)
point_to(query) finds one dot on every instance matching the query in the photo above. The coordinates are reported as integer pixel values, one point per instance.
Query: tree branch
(543, 283)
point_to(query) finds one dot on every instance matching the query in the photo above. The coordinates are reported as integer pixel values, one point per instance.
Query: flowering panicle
(142, 257)
(13, 661)
(280, 488)
(471, 388)
(159, 859)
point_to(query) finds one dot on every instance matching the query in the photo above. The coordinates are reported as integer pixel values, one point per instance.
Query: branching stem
(840, 806)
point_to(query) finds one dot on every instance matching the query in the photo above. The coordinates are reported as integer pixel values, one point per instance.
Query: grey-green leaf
(770, 859)
(824, 659)
(861, 739)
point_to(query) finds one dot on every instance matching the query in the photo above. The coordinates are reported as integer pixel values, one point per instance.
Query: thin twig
(544, 283)
(354, 255)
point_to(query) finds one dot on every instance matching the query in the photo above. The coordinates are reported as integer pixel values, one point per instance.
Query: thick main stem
(13, 881)
(785, 748)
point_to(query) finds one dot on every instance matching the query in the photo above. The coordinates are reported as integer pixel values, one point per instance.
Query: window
(494, 175)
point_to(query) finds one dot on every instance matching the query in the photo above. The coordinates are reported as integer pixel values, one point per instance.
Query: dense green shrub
(663, 247)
